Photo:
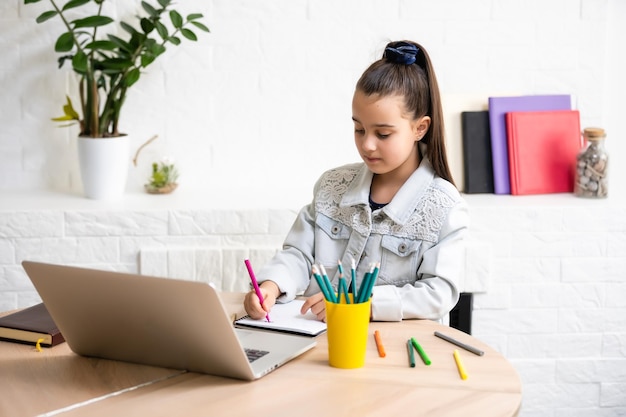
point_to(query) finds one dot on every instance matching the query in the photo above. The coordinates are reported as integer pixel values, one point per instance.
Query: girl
(399, 207)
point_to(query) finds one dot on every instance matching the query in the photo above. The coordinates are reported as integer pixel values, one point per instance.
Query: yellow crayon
(459, 364)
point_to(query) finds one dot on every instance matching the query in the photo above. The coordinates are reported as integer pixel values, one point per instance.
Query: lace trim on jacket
(424, 224)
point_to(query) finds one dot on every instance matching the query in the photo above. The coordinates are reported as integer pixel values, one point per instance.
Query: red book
(498, 108)
(542, 150)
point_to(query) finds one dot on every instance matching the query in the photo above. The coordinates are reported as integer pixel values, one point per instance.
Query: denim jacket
(417, 238)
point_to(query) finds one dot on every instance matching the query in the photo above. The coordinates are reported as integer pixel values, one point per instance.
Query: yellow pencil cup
(347, 330)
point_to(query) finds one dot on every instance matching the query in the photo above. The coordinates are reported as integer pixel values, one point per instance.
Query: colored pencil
(343, 289)
(460, 344)
(371, 282)
(361, 291)
(255, 284)
(329, 286)
(320, 283)
(409, 346)
(339, 267)
(459, 364)
(363, 295)
(353, 278)
(379, 344)
(421, 351)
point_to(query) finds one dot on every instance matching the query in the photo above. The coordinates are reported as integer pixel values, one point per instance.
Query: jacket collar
(401, 207)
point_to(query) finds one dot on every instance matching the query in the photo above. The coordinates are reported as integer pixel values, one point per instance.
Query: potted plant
(163, 177)
(108, 65)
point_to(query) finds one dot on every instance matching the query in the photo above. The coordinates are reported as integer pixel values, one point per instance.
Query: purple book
(498, 108)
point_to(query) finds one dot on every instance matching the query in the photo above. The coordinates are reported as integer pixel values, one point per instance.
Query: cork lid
(594, 133)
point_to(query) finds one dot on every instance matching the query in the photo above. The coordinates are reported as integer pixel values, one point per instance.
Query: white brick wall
(556, 304)
(549, 272)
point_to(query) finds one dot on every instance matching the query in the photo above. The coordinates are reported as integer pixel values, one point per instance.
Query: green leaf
(68, 112)
(161, 29)
(68, 109)
(149, 9)
(80, 62)
(64, 58)
(174, 40)
(83, 33)
(128, 28)
(146, 25)
(147, 59)
(133, 77)
(149, 43)
(122, 44)
(188, 34)
(31, 1)
(194, 16)
(117, 63)
(200, 26)
(101, 45)
(62, 118)
(177, 19)
(157, 49)
(74, 3)
(163, 3)
(64, 43)
(45, 16)
(133, 43)
(92, 22)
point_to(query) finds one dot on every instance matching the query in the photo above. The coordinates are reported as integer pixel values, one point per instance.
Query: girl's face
(386, 136)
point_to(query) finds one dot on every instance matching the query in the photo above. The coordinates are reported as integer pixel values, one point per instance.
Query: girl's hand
(317, 306)
(251, 303)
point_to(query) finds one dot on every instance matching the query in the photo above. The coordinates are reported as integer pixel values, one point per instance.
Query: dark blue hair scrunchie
(404, 53)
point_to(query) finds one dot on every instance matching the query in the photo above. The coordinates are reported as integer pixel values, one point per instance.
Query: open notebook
(286, 318)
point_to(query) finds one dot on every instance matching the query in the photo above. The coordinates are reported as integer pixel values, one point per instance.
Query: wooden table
(35, 383)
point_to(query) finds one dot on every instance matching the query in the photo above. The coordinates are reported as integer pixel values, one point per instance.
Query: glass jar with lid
(592, 166)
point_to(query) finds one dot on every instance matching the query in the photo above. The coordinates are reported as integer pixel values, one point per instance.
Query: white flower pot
(104, 164)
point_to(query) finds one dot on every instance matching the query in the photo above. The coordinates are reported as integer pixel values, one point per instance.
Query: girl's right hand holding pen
(251, 302)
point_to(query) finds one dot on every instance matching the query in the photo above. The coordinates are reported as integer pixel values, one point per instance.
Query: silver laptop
(156, 321)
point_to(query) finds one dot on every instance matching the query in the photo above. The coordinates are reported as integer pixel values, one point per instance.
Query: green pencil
(420, 351)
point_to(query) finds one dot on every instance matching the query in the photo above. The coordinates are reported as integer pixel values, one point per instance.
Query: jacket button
(402, 248)
(336, 229)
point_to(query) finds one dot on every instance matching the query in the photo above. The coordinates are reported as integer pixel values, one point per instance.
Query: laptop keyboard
(254, 354)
